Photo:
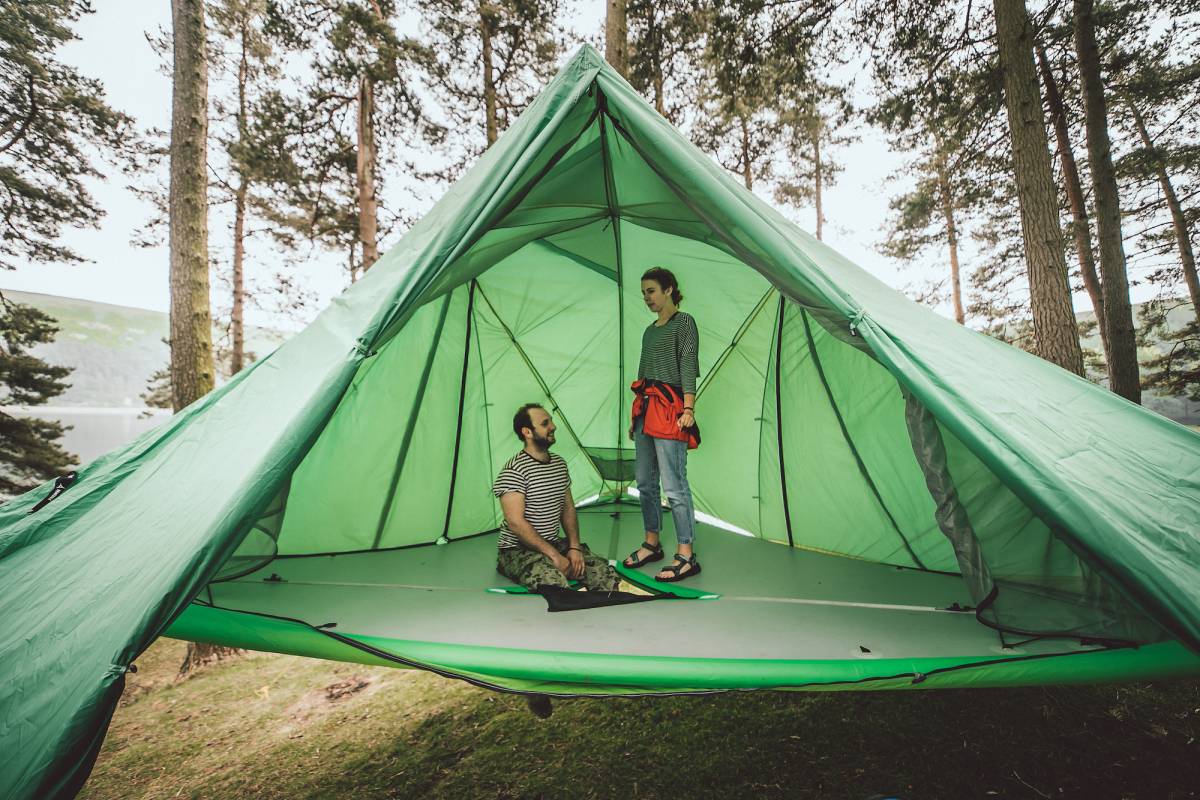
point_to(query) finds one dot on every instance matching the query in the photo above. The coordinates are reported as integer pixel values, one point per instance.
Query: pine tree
(738, 122)
(616, 36)
(1155, 80)
(1054, 326)
(493, 57)
(938, 100)
(365, 79)
(29, 448)
(1117, 314)
(242, 52)
(814, 113)
(192, 369)
(1081, 230)
(666, 41)
(53, 124)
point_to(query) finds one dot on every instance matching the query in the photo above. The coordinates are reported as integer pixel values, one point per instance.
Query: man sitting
(534, 488)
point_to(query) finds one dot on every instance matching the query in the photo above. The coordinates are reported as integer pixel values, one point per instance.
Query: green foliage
(1175, 368)
(738, 122)
(52, 123)
(302, 134)
(666, 43)
(939, 100)
(29, 449)
(523, 38)
(1154, 70)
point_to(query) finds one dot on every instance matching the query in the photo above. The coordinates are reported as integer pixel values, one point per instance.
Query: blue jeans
(665, 459)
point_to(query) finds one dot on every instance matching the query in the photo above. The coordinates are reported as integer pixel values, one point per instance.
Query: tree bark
(1123, 374)
(1055, 332)
(946, 195)
(237, 331)
(655, 37)
(192, 373)
(237, 359)
(368, 207)
(616, 37)
(199, 654)
(1080, 227)
(486, 25)
(817, 180)
(1183, 239)
(747, 174)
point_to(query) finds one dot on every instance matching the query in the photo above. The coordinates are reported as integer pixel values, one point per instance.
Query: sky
(112, 48)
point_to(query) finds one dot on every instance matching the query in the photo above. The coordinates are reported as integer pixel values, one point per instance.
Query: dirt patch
(313, 706)
(352, 685)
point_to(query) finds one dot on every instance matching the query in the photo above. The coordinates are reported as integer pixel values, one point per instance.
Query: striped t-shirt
(671, 352)
(544, 486)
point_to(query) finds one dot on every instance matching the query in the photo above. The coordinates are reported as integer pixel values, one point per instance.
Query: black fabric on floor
(560, 599)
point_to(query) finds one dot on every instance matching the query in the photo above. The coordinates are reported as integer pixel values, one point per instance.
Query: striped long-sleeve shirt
(671, 352)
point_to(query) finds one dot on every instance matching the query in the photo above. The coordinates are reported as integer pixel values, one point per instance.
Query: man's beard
(542, 444)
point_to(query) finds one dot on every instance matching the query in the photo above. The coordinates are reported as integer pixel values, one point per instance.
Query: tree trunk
(947, 198)
(747, 175)
(200, 654)
(1080, 227)
(817, 179)
(368, 222)
(191, 320)
(616, 37)
(486, 24)
(1123, 375)
(1055, 332)
(1187, 256)
(237, 358)
(654, 36)
(237, 331)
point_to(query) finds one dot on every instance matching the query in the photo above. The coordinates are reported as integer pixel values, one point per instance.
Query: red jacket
(661, 405)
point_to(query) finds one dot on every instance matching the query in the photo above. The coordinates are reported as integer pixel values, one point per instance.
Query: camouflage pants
(531, 569)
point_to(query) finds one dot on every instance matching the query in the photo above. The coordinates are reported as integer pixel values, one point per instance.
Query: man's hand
(562, 563)
(576, 559)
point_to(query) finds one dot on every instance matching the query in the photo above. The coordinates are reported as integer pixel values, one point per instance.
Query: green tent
(924, 506)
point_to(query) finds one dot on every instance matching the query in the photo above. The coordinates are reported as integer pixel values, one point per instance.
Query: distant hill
(113, 349)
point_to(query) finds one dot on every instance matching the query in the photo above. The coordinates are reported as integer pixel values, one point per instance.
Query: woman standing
(664, 424)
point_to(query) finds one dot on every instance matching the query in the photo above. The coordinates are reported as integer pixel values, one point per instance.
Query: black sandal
(656, 554)
(674, 569)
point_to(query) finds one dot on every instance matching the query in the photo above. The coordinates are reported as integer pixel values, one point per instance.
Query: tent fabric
(790, 618)
(377, 430)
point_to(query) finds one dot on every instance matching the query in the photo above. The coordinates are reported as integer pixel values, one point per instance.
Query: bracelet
(576, 549)
(688, 408)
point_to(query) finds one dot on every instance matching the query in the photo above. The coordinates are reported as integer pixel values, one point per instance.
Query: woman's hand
(686, 420)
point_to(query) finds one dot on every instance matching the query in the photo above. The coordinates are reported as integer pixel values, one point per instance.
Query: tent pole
(385, 510)
(862, 467)
(462, 395)
(610, 199)
(737, 337)
(787, 512)
(540, 380)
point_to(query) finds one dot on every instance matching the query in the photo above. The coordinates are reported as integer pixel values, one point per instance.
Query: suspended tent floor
(781, 618)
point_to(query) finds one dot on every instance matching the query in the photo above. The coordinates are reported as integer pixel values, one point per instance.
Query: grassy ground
(265, 726)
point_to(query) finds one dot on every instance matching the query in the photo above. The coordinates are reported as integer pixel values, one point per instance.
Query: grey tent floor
(776, 602)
